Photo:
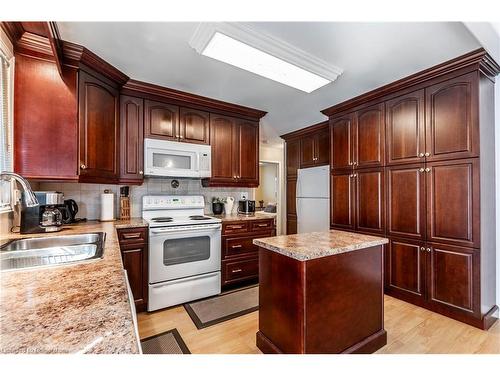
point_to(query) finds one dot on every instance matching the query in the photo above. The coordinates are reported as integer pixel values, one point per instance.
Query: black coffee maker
(47, 216)
(70, 211)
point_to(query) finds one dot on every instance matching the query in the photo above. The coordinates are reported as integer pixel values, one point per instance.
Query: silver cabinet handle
(421, 155)
(83, 166)
(262, 225)
(181, 136)
(350, 163)
(422, 248)
(236, 246)
(427, 154)
(428, 249)
(141, 172)
(421, 169)
(237, 176)
(427, 170)
(355, 163)
(236, 270)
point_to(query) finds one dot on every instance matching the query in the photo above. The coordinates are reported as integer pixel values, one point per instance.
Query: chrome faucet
(29, 197)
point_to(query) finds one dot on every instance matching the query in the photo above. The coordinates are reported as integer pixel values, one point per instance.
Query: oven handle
(165, 230)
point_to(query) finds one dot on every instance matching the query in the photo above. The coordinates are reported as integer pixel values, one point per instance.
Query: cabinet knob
(421, 169)
(422, 248)
(421, 155)
(427, 154)
(350, 163)
(428, 249)
(83, 166)
(355, 163)
(427, 170)
(141, 172)
(181, 136)
(237, 176)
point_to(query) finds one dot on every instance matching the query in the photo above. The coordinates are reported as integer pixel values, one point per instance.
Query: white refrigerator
(313, 199)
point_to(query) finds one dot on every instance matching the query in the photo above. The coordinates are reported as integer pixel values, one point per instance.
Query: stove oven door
(182, 252)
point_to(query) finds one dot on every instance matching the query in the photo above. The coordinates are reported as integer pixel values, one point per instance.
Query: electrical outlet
(243, 196)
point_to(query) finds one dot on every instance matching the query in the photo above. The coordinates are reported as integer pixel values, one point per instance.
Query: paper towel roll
(107, 206)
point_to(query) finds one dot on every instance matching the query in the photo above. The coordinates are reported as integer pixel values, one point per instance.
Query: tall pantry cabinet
(414, 161)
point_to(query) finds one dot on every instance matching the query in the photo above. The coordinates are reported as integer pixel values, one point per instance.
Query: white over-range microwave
(176, 159)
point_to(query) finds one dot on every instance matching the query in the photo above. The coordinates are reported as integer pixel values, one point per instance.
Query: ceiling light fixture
(263, 55)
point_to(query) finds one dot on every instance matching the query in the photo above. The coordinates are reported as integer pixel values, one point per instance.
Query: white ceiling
(371, 55)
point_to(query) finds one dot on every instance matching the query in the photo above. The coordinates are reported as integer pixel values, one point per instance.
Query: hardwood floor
(410, 330)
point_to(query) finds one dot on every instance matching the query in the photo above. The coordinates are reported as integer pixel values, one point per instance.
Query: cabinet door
(247, 156)
(194, 126)
(454, 277)
(291, 197)
(453, 202)
(342, 200)
(369, 137)
(131, 139)
(161, 120)
(292, 157)
(99, 130)
(291, 224)
(341, 141)
(322, 147)
(370, 200)
(405, 129)
(406, 201)
(405, 267)
(452, 124)
(223, 141)
(307, 154)
(136, 263)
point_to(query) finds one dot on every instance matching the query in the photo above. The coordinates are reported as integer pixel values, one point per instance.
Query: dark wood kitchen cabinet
(240, 257)
(134, 251)
(235, 152)
(405, 128)
(194, 126)
(438, 150)
(452, 129)
(315, 149)
(99, 129)
(291, 206)
(161, 120)
(292, 158)
(131, 140)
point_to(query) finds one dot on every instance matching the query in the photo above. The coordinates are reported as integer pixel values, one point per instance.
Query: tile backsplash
(87, 195)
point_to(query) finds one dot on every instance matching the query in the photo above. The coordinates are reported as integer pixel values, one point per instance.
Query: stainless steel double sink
(51, 251)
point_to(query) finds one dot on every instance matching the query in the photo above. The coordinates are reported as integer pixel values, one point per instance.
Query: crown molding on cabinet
(304, 131)
(265, 43)
(180, 96)
(477, 59)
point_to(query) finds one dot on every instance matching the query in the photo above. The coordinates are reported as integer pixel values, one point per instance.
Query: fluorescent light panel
(231, 51)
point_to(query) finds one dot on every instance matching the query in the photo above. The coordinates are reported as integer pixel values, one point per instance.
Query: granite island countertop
(307, 246)
(73, 308)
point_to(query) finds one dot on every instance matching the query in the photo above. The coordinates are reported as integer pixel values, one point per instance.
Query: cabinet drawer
(240, 227)
(133, 235)
(240, 270)
(234, 247)
(256, 226)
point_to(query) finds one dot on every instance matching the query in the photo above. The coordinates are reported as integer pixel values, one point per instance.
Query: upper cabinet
(194, 126)
(315, 149)
(235, 152)
(452, 127)
(405, 128)
(131, 140)
(161, 120)
(292, 158)
(358, 138)
(98, 110)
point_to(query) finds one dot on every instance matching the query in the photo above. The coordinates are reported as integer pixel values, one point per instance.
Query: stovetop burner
(164, 219)
(198, 217)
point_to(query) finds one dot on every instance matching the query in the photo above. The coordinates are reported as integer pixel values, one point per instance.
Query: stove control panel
(172, 202)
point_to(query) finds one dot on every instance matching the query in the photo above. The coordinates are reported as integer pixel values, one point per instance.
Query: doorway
(268, 194)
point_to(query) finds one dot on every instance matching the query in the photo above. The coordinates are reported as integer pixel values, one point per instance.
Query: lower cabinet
(442, 278)
(134, 251)
(240, 257)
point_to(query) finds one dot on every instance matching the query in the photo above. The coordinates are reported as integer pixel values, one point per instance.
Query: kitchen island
(321, 292)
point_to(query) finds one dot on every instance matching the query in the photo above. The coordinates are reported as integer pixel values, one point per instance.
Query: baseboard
(369, 345)
(265, 345)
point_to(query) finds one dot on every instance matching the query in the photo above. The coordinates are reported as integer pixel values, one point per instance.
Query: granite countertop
(237, 217)
(314, 245)
(74, 308)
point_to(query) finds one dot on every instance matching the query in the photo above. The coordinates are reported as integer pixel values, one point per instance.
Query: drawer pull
(236, 270)
(236, 227)
(236, 246)
(262, 225)
(129, 236)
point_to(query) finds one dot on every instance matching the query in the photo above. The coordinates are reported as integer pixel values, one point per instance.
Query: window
(6, 126)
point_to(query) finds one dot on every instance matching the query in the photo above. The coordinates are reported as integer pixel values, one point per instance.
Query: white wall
(276, 153)
(268, 188)
(497, 177)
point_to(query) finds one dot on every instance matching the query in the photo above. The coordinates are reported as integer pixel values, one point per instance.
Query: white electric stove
(184, 250)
